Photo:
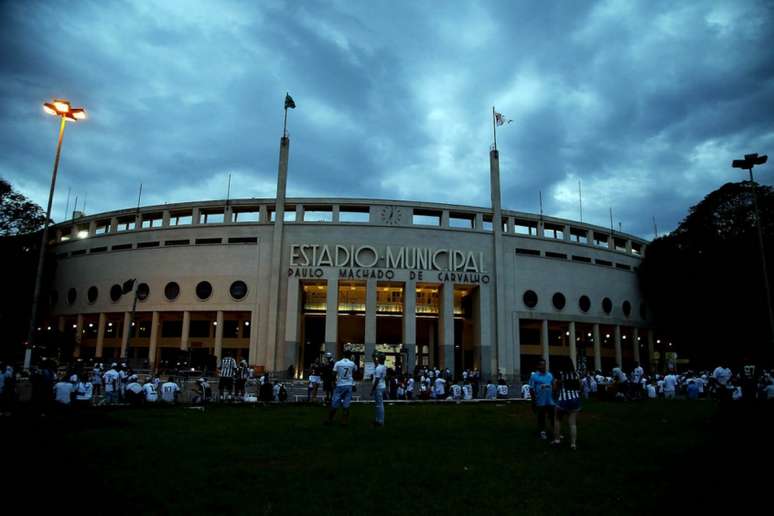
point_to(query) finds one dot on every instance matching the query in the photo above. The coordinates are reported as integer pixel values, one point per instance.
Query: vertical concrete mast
(504, 355)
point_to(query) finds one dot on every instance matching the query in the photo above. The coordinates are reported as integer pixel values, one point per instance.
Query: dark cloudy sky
(646, 102)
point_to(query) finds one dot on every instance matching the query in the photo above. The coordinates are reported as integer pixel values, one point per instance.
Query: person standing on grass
(63, 392)
(670, 385)
(151, 393)
(410, 388)
(111, 380)
(242, 375)
(567, 390)
(541, 386)
(83, 391)
(327, 373)
(502, 389)
(134, 393)
(170, 391)
(467, 391)
(226, 383)
(636, 383)
(344, 370)
(377, 390)
(491, 390)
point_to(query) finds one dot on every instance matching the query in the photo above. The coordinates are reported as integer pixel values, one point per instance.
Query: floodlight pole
(42, 254)
(763, 255)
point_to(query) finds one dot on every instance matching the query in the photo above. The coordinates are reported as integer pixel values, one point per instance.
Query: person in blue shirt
(541, 389)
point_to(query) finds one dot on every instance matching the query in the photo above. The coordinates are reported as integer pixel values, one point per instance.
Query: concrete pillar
(636, 344)
(628, 246)
(165, 218)
(332, 315)
(482, 332)
(566, 232)
(597, 348)
(154, 341)
(219, 335)
(651, 349)
(138, 222)
(445, 219)
(410, 324)
(573, 346)
(478, 223)
(184, 337)
(590, 237)
(511, 225)
(263, 215)
(540, 229)
(195, 216)
(335, 216)
(228, 215)
(74, 232)
(113, 224)
(618, 352)
(516, 349)
(125, 329)
(100, 334)
(60, 324)
(431, 344)
(370, 319)
(252, 357)
(299, 212)
(292, 325)
(92, 228)
(78, 335)
(446, 326)
(544, 341)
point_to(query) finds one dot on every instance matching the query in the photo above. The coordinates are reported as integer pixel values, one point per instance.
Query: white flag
(500, 119)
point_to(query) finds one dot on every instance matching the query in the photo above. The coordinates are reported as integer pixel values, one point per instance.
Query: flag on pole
(289, 102)
(501, 120)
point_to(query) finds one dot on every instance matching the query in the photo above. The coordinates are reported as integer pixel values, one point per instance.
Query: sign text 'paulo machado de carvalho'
(365, 261)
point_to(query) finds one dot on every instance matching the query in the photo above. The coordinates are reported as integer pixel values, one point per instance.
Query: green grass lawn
(634, 458)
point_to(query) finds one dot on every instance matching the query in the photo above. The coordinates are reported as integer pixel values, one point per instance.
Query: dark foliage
(18, 215)
(704, 281)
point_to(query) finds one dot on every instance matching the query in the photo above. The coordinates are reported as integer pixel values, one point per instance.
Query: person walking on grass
(344, 370)
(377, 390)
(567, 390)
(541, 387)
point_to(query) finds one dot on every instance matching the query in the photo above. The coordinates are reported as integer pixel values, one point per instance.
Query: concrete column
(154, 341)
(482, 332)
(410, 324)
(636, 344)
(573, 346)
(113, 224)
(478, 223)
(332, 315)
(252, 357)
(78, 335)
(590, 237)
(184, 337)
(566, 232)
(165, 218)
(618, 352)
(195, 216)
(219, 334)
(628, 246)
(431, 344)
(651, 349)
(597, 348)
(263, 215)
(299, 212)
(336, 218)
(540, 229)
(292, 324)
(60, 324)
(445, 219)
(100, 334)
(447, 326)
(228, 215)
(92, 228)
(370, 319)
(516, 349)
(511, 225)
(138, 222)
(544, 341)
(125, 329)
(74, 232)
(610, 242)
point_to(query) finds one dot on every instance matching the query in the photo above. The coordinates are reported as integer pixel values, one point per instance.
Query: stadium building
(280, 281)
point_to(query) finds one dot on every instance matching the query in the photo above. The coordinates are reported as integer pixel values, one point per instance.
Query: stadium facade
(280, 281)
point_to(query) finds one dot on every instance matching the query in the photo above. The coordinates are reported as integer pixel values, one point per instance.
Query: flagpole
(285, 124)
(494, 128)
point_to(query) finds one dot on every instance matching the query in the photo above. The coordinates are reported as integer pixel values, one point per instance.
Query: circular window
(627, 308)
(559, 300)
(584, 303)
(72, 294)
(238, 289)
(115, 293)
(607, 305)
(530, 298)
(143, 291)
(92, 294)
(53, 297)
(172, 290)
(203, 290)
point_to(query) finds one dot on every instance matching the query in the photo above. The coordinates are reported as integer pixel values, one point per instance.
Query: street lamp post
(62, 109)
(749, 161)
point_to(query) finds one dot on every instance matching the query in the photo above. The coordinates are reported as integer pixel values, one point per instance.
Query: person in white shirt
(112, 381)
(456, 391)
(63, 391)
(170, 391)
(96, 380)
(344, 370)
(439, 390)
(637, 374)
(151, 393)
(722, 378)
(670, 386)
(525, 392)
(467, 391)
(83, 392)
(502, 390)
(377, 390)
(410, 388)
(491, 390)
(134, 394)
(652, 390)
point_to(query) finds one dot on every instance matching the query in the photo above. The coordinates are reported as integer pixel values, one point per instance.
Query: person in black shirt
(327, 377)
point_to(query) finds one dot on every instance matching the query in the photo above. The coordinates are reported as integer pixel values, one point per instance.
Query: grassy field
(636, 458)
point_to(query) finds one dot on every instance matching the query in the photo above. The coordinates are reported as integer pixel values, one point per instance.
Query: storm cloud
(645, 103)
